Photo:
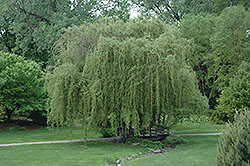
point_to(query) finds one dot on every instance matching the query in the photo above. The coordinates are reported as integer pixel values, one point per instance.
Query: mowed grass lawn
(199, 150)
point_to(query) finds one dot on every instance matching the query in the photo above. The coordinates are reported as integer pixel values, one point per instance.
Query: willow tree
(131, 74)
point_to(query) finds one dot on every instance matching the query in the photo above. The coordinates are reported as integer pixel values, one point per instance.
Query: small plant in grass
(109, 160)
(145, 143)
(169, 141)
(234, 144)
(17, 128)
(172, 141)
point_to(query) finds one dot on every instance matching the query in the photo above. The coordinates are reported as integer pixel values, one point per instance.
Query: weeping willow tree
(130, 74)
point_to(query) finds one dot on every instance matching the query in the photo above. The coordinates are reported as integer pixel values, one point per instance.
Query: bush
(21, 85)
(108, 132)
(234, 144)
(218, 117)
(170, 141)
(145, 143)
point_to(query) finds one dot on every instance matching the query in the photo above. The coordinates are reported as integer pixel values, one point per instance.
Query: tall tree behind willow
(36, 24)
(199, 29)
(219, 5)
(173, 10)
(131, 74)
(230, 45)
(237, 95)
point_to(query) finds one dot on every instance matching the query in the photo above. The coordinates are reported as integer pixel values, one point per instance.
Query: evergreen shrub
(234, 144)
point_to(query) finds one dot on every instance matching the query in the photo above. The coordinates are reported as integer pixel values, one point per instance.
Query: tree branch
(33, 14)
(30, 25)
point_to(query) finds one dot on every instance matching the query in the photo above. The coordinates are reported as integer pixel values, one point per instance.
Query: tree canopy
(131, 74)
(21, 85)
(34, 26)
(236, 95)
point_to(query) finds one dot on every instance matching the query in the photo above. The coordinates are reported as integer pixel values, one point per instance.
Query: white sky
(134, 13)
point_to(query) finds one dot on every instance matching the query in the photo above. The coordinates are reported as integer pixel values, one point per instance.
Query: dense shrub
(234, 144)
(21, 86)
(170, 141)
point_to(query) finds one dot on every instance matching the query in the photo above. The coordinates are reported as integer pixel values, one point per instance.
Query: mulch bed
(18, 125)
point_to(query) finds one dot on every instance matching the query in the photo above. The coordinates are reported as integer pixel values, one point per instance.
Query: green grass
(64, 154)
(199, 151)
(45, 135)
(190, 128)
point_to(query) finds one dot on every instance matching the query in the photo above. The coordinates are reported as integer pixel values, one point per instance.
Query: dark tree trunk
(8, 112)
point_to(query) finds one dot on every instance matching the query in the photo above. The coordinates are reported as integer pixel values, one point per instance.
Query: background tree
(134, 75)
(36, 25)
(21, 85)
(173, 10)
(200, 28)
(230, 45)
(236, 95)
(219, 5)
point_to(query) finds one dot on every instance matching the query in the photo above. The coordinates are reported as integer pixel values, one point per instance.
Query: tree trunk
(8, 112)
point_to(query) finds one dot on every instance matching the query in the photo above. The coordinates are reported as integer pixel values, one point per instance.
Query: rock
(157, 151)
(134, 156)
(135, 144)
(119, 165)
(151, 149)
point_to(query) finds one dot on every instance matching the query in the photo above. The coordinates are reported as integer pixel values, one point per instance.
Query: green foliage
(172, 10)
(218, 117)
(230, 45)
(172, 141)
(145, 143)
(109, 160)
(30, 28)
(17, 128)
(220, 46)
(196, 119)
(21, 85)
(63, 94)
(200, 28)
(219, 5)
(237, 95)
(129, 74)
(108, 132)
(234, 144)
